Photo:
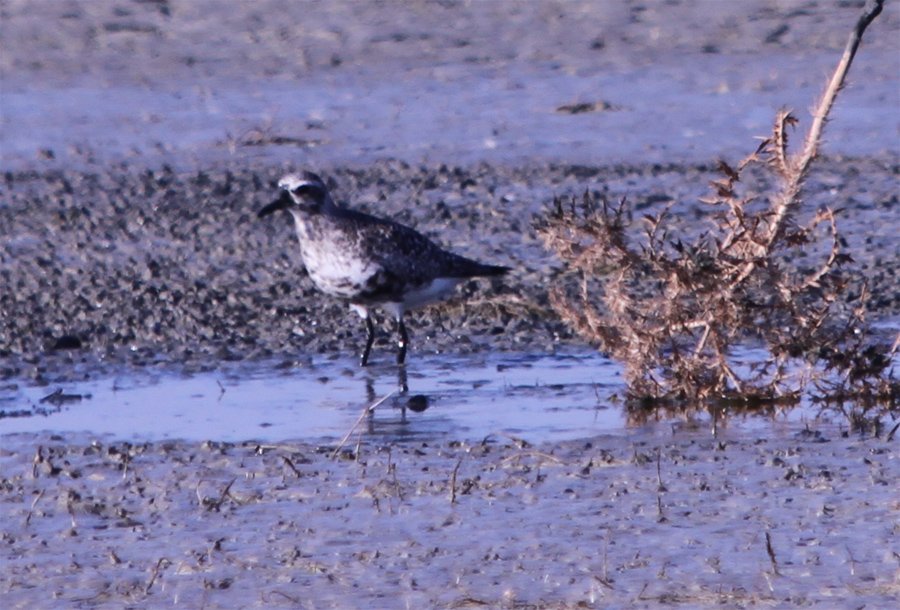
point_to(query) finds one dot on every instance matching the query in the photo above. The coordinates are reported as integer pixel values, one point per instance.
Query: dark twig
(660, 487)
(771, 553)
(891, 434)
(659, 509)
(58, 398)
(290, 464)
(453, 481)
(160, 565)
(217, 505)
(33, 504)
(267, 600)
(36, 461)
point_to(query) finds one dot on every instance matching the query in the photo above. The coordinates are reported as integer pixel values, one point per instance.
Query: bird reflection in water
(417, 403)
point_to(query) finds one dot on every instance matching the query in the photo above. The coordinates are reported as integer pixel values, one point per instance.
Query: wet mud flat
(803, 517)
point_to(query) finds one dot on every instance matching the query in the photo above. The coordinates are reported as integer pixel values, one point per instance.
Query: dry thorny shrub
(673, 309)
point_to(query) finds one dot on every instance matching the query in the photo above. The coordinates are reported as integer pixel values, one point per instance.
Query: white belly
(342, 277)
(335, 273)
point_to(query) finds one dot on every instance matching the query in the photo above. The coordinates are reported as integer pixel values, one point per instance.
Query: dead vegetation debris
(675, 309)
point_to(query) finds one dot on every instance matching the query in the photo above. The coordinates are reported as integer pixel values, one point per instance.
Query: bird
(368, 261)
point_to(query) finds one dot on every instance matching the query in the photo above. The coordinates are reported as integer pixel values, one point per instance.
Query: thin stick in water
(362, 416)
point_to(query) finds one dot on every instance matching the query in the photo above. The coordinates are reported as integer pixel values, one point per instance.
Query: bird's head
(303, 192)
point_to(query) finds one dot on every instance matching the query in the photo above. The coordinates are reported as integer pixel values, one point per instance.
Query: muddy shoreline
(680, 518)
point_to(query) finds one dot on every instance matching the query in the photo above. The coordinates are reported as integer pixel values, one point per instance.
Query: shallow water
(543, 397)
(536, 398)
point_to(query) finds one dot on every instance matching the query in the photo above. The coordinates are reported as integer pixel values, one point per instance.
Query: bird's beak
(282, 203)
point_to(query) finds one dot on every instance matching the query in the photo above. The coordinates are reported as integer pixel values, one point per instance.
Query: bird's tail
(489, 270)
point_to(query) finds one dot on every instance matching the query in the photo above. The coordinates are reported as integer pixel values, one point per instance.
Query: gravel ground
(138, 267)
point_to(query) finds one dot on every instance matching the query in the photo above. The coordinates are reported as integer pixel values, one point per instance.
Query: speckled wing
(408, 258)
(409, 255)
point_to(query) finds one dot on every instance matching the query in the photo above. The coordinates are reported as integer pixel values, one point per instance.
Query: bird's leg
(404, 341)
(402, 381)
(370, 338)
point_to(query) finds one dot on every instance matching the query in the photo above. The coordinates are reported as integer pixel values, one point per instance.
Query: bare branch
(870, 12)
